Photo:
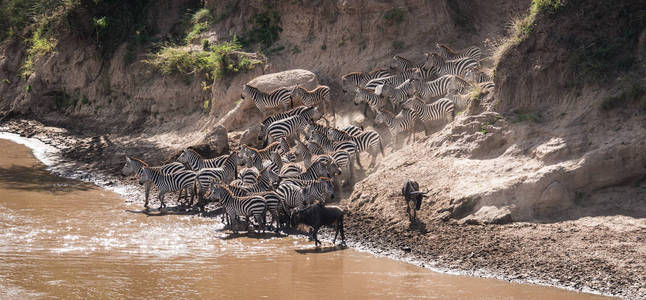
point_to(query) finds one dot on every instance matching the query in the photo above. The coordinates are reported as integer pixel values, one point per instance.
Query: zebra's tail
(381, 148)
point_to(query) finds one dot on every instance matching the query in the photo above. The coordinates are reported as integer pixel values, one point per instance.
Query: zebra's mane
(447, 48)
(352, 74)
(195, 152)
(143, 163)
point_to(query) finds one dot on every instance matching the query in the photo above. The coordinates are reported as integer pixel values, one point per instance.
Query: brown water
(65, 239)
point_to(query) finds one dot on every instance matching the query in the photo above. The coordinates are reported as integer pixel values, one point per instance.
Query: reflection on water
(63, 238)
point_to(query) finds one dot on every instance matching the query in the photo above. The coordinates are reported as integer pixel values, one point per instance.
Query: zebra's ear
(128, 158)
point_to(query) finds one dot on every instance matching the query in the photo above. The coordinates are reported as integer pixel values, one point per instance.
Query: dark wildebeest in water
(318, 215)
(413, 198)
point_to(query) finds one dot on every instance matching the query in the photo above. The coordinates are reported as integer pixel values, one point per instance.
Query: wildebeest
(318, 215)
(413, 198)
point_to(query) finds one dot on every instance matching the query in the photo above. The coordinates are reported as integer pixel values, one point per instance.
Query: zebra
(446, 52)
(284, 170)
(477, 76)
(404, 121)
(291, 197)
(330, 146)
(450, 67)
(224, 174)
(441, 86)
(167, 182)
(441, 109)
(249, 176)
(314, 190)
(319, 169)
(262, 132)
(425, 74)
(319, 95)
(394, 80)
(397, 94)
(352, 130)
(288, 126)
(263, 101)
(239, 206)
(487, 86)
(359, 79)
(367, 141)
(195, 161)
(254, 157)
(404, 63)
(135, 166)
(368, 96)
(272, 200)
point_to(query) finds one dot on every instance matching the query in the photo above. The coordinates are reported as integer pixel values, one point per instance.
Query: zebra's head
(297, 92)
(412, 103)
(184, 157)
(128, 169)
(245, 90)
(145, 175)
(380, 118)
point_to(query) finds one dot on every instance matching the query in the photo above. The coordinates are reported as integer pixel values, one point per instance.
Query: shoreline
(364, 240)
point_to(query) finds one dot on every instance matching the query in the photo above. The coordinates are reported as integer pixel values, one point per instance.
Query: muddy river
(67, 239)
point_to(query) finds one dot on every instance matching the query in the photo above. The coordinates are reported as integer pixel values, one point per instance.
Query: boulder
(245, 113)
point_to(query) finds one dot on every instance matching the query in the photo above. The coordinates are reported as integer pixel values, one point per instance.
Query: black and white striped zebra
(314, 190)
(447, 53)
(249, 206)
(370, 99)
(291, 197)
(477, 76)
(315, 97)
(168, 182)
(330, 146)
(262, 132)
(195, 161)
(286, 170)
(254, 157)
(367, 141)
(403, 64)
(224, 174)
(359, 79)
(319, 169)
(352, 130)
(404, 121)
(442, 109)
(249, 176)
(134, 166)
(286, 127)
(264, 101)
(393, 80)
(450, 67)
(272, 200)
(397, 94)
(442, 86)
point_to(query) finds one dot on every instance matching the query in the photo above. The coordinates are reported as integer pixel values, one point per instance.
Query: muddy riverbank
(605, 254)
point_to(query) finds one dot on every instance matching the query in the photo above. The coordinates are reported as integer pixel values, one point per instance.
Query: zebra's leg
(161, 200)
(315, 231)
(358, 160)
(148, 184)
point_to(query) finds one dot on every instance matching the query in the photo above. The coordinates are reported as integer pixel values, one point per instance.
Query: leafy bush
(394, 16)
(40, 43)
(220, 60)
(265, 30)
(200, 20)
(522, 27)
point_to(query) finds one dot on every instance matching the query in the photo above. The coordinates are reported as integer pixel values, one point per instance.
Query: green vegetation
(601, 51)
(526, 117)
(394, 16)
(475, 93)
(200, 21)
(265, 30)
(205, 106)
(398, 45)
(521, 28)
(631, 91)
(220, 60)
(460, 17)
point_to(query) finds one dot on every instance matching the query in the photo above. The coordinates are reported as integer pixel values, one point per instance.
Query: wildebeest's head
(296, 217)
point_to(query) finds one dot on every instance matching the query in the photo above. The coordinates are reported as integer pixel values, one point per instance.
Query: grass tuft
(222, 59)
